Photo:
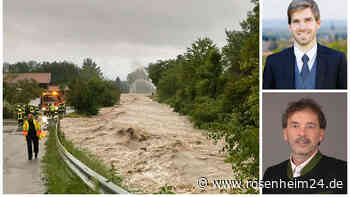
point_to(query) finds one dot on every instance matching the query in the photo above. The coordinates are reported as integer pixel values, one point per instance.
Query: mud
(150, 146)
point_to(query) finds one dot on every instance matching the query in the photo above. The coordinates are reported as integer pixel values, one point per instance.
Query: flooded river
(150, 146)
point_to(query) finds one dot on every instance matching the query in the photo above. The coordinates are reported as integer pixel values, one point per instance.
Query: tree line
(219, 90)
(87, 91)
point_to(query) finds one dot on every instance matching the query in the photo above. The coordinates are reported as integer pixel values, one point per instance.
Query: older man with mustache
(307, 171)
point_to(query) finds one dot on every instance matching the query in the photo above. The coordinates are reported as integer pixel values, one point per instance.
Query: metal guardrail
(87, 175)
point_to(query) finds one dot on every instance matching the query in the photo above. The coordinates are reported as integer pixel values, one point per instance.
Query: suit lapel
(291, 69)
(321, 67)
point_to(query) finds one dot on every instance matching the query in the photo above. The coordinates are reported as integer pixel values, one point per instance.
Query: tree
(90, 70)
(181, 82)
(89, 91)
(21, 92)
(84, 102)
(241, 129)
(19, 67)
(209, 74)
(61, 72)
(111, 94)
(168, 84)
(118, 82)
(156, 70)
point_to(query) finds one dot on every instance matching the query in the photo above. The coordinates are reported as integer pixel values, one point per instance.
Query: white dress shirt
(296, 170)
(311, 53)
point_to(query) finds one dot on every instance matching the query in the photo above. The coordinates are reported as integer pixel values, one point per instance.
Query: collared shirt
(311, 53)
(297, 169)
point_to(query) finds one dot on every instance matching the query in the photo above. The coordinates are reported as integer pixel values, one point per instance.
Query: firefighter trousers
(32, 140)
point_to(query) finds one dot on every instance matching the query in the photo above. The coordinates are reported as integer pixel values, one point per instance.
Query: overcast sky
(275, 9)
(119, 35)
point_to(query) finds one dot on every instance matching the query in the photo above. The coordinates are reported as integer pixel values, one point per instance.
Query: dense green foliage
(241, 131)
(90, 70)
(219, 90)
(21, 92)
(89, 91)
(9, 111)
(18, 93)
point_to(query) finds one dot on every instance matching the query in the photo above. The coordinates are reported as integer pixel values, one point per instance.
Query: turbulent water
(150, 146)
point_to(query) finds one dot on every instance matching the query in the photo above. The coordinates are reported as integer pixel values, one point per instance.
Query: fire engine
(49, 98)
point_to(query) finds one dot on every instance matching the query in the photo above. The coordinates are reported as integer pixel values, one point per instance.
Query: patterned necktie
(305, 70)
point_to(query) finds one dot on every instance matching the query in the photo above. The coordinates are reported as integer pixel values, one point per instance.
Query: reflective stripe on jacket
(36, 125)
(31, 109)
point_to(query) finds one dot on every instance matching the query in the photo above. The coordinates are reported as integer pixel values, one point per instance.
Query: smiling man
(307, 171)
(307, 64)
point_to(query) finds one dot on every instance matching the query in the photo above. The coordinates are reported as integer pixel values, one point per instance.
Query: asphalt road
(20, 176)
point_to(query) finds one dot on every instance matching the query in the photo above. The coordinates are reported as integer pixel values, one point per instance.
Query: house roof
(39, 77)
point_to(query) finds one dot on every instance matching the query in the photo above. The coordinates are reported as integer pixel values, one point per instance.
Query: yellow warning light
(54, 93)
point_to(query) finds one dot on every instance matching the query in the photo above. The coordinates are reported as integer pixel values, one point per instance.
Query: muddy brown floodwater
(150, 146)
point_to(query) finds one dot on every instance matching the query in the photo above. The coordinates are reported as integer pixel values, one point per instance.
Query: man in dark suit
(306, 65)
(307, 171)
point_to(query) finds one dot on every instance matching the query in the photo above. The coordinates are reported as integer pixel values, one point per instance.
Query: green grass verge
(74, 115)
(91, 160)
(59, 178)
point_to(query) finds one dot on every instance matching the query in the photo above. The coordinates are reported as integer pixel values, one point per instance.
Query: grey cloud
(153, 22)
(114, 30)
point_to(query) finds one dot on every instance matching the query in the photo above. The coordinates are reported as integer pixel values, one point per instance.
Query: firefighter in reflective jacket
(20, 113)
(52, 109)
(31, 109)
(32, 130)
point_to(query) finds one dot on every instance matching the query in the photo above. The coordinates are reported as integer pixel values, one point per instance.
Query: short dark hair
(302, 104)
(296, 5)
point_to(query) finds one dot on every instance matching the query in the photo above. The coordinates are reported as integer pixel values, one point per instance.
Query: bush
(21, 92)
(205, 111)
(110, 94)
(88, 96)
(9, 111)
(81, 97)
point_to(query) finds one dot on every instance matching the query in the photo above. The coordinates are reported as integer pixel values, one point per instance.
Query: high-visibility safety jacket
(19, 116)
(31, 109)
(36, 125)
